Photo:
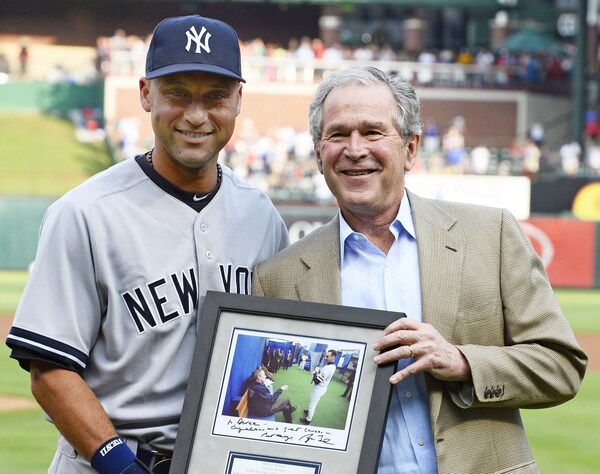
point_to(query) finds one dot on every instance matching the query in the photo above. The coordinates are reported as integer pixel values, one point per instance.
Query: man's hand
(406, 338)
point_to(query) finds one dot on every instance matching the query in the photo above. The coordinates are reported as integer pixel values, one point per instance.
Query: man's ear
(239, 103)
(412, 151)
(319, 161)
(144, 85)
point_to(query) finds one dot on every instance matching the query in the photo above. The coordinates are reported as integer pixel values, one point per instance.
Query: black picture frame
(203, 446)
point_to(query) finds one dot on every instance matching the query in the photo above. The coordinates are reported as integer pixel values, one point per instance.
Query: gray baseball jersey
(119, 281)
(326, 374)
(319, 389)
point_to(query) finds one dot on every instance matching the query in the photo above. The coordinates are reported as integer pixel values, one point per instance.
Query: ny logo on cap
(192, 35)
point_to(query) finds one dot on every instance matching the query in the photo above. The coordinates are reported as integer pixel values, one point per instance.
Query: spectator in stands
(532, 156)
(431, 136)
(534, 69)
(570, 154)
(363, 53)
(453, 145)
(480, 159)
(103, 56)
(426, 59)
(387, 53)
(24, 57)
(484, 60)
(592, 124)
(4, 65)
(128, 137)
(537, 133)
(335, 52)
(593, 158)
(318, 48)
(464, 57)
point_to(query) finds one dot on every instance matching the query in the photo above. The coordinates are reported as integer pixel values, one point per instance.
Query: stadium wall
(54, 98)
(20, 219)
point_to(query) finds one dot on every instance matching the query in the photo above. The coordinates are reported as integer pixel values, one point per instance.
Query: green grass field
(40, 156)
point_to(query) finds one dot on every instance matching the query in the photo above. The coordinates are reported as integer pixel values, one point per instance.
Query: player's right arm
(80, 417)
(72, 406)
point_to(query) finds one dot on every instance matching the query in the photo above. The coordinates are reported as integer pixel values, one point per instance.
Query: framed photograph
(284, 386)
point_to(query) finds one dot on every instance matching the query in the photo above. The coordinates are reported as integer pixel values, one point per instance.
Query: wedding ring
(411, 352)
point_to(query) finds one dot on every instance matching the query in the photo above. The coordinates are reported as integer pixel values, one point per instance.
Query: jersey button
(209, 254)
(203, 227)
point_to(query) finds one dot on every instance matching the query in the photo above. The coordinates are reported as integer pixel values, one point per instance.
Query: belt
(158, 462)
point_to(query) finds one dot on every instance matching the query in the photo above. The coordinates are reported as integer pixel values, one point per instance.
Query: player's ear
(239, 102)
(144, 85)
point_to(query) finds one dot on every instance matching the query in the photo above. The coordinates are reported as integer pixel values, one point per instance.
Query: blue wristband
(112, 457)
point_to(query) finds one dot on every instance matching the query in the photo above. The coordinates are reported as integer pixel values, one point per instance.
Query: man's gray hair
(406, 115)
(257, 372)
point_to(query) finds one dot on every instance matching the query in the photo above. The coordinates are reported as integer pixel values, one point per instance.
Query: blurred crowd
(121, 54)
(281, 162)
(480, 67)
(307, 59)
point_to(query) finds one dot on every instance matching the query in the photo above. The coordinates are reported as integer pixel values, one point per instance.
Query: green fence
(20, 219)
(55, 98)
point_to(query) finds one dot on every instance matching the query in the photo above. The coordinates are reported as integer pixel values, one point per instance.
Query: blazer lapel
(322, 279)
(441, 253)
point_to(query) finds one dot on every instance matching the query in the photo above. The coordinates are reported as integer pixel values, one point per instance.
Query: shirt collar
(403, 220)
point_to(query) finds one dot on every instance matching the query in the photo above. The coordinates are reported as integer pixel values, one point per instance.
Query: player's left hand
(406, 338)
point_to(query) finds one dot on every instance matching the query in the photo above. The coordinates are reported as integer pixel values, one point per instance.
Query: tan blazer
(485, 290)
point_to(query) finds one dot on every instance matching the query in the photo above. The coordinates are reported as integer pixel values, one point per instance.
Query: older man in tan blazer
(488, 335)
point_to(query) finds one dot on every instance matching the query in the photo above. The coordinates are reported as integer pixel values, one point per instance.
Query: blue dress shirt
(372, 279)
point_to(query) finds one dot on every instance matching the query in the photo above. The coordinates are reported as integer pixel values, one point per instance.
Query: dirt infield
(590, 344)
(15, 403)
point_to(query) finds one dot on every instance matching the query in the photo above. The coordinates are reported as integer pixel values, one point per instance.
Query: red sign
(567, 248)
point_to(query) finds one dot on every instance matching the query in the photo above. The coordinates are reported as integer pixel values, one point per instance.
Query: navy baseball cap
(193, 43)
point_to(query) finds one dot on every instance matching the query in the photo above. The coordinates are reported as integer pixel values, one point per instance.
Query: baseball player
(107, 321)
(321, 378)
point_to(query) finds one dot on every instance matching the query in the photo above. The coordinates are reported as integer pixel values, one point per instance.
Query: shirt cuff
(462, 394)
